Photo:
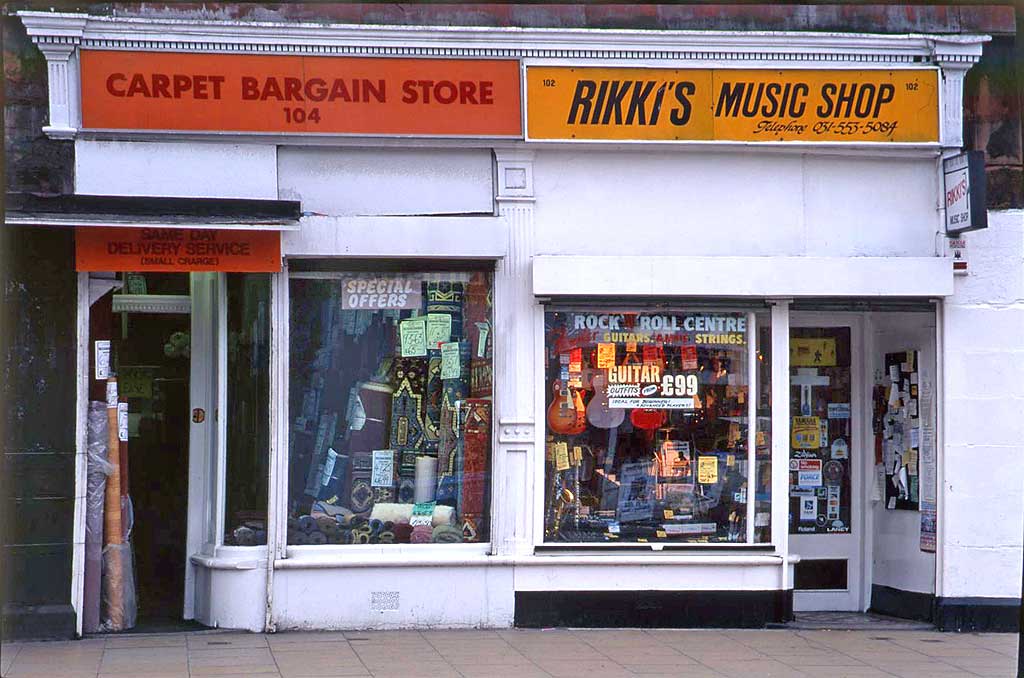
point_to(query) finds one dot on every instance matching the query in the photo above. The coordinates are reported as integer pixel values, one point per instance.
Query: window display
(821, 432)
(390, 407)
(649, 431)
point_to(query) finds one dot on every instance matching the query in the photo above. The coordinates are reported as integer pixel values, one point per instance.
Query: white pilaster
(780, 434)
(954, 55)
(518, 321)
(58, 37)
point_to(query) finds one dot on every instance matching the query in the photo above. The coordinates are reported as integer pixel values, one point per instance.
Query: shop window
(648, 426)
(389, 407)
(248, 405)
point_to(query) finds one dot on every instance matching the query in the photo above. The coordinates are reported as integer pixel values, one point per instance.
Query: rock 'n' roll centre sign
(660, 104)
(124, 90)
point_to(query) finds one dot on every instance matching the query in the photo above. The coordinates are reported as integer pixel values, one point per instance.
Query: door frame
(861, 471)
(206, 458)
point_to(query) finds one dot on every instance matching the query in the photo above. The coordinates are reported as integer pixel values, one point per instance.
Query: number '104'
(299, 115)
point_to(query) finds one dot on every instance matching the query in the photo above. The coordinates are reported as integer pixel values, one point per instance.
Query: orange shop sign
(300, 94)
(100, 248)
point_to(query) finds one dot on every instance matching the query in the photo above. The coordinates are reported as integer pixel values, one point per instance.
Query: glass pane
(390, 407)
(821, 430)
(763, 507)
(248, 407)
(647, 421)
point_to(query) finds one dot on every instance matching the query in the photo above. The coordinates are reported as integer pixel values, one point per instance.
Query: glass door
(825, 507)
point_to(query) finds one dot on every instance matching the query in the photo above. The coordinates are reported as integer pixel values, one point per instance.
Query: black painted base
(903, 604)
(653, 609)
(38, 622)
(992, 615)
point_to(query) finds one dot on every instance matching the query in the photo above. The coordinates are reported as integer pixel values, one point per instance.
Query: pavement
(519, 653)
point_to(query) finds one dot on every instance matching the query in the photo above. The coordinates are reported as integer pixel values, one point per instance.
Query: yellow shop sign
(663, 104)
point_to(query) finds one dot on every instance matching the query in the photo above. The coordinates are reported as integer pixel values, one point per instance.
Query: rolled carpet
(446, 534)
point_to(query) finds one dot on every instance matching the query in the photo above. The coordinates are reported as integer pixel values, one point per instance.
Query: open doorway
(863, 466)
(140, 339)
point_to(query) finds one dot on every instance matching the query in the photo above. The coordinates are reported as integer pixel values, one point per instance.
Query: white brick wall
(984, 416)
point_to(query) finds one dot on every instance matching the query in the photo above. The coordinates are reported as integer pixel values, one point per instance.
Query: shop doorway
(153, 333)
(827, 458)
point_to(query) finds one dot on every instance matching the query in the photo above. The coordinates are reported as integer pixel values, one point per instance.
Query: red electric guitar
(566, 414)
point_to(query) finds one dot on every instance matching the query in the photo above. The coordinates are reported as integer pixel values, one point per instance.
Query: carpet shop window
(651, 427)
(390, 407)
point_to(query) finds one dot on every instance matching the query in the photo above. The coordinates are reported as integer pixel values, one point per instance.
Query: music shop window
(389, 407)
(658, 426)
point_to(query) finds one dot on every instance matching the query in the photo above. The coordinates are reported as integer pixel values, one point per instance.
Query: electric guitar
(566, 414)
(598, 412)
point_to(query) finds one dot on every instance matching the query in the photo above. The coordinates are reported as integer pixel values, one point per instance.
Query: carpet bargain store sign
(300, 94)
(657, 104)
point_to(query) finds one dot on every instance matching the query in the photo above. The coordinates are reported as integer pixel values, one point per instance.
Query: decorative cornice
(152, 303)
(98, 32)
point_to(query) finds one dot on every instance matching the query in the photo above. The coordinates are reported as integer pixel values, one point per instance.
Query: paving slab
(881, 650)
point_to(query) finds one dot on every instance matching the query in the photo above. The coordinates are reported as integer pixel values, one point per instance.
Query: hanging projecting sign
(177, 249)
(964, 190)
(300, 94)
(660, 104)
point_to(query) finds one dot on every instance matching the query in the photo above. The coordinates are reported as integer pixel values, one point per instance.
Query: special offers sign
(300, 94)
(656, 104)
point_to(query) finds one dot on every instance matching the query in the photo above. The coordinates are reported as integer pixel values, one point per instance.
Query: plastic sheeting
(96, 483)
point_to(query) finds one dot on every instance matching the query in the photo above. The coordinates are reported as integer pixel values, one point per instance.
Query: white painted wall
(898, 560)
(686, 203)
(984, 416)
(455, 596)
(348, 182)
(176, 169)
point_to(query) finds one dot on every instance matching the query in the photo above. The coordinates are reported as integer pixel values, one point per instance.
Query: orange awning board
(300, 94)
(176, 249)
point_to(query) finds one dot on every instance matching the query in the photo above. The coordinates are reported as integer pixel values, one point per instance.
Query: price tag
(561, 456)
(669, 514)
(662, 534)
(605, 356)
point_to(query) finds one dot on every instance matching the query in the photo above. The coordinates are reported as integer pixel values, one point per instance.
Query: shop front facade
(495, 327)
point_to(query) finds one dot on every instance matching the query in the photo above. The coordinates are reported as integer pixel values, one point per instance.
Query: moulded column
(517, 321)
(780, 434)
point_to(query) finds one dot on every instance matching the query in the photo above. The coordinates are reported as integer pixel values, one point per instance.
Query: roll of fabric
(426, 479)
(422, 534)
(407, 404)
(432, 397)
(407, 489)
(393, 513)
(113, 571)
(476, 452)
(443, 515)
(446, 534)
(96, 483)
(386, 537)
(402, 532)
(361, 535)
(307, 524)
(317, 537)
